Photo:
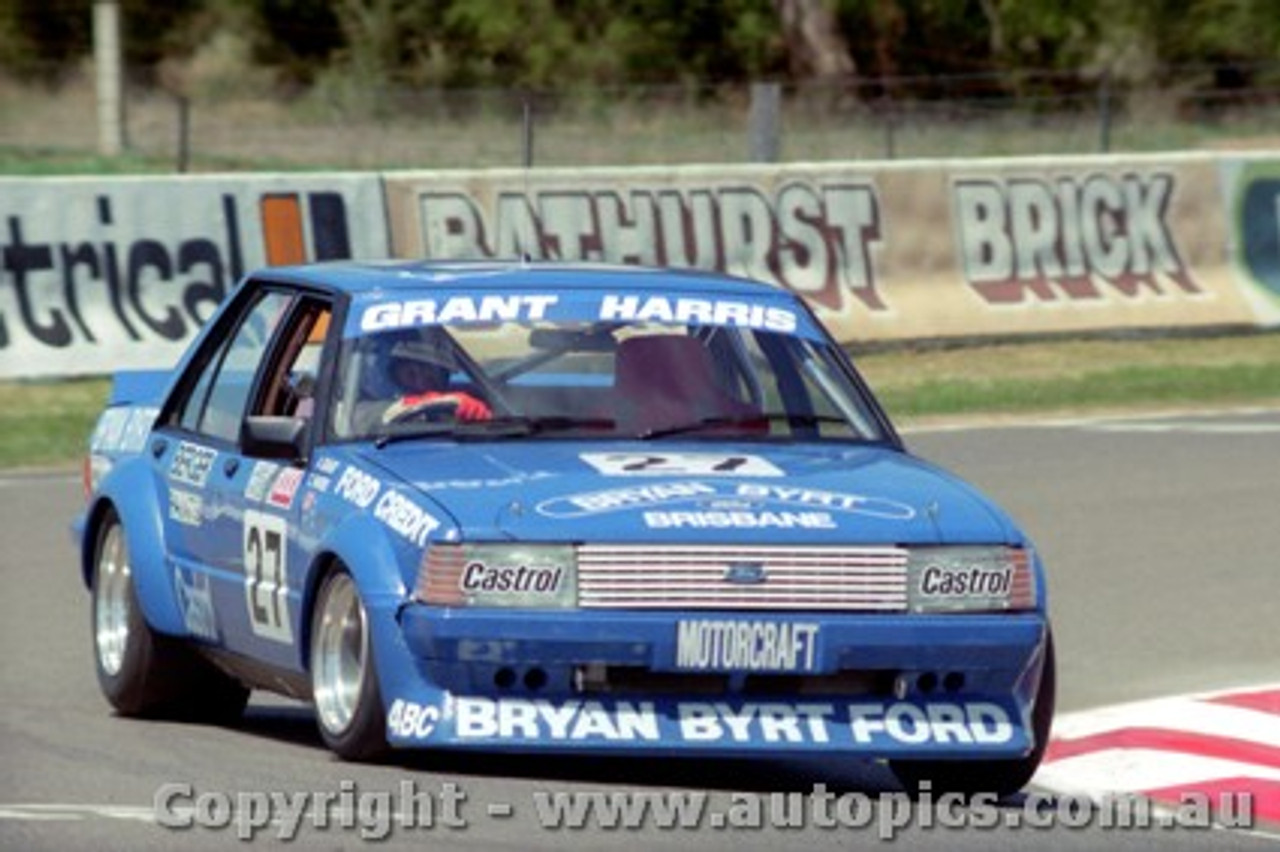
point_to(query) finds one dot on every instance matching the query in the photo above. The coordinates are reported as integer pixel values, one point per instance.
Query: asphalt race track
(1163, 540)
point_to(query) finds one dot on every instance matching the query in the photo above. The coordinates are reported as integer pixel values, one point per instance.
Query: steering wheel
(421, 411)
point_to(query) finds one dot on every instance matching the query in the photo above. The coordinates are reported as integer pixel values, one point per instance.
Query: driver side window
(289, 386)
(216, 403)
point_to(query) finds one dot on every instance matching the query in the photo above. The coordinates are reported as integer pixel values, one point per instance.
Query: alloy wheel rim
(111, 613)
(339, 655)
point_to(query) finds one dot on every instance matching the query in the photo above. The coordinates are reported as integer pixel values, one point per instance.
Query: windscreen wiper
(708, 423)
(524, 425)
(496, 427)
(425, 430)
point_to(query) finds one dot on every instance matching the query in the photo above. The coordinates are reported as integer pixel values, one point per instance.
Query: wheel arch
(129, 495)
(362, 547)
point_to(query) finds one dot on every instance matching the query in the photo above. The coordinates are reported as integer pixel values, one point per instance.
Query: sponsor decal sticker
(99, 467)
(833, 500)
(405, 518)
(185, 507)
(475, 484)
(770, 722)
(260, 479)
(456, 310)
(109, 429)
(195, 599)
(809, 505)
(357, 487)
(661, 309)
(568, 720)
(137, 428)
(615, 499)
(732, 645)
(680, 464)
(966, 582)
(266, 587)
(191, 464)
(974, 722)
(867, 724)
(285, 487)
(744, 520)
(412, 720)
(488, 577)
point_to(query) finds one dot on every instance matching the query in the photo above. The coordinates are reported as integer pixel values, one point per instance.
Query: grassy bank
(1076, 376)
(45, 424)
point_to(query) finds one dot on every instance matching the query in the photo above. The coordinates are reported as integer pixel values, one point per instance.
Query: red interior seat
(664, 381)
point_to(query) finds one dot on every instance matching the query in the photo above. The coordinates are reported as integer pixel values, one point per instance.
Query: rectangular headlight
(969, 579)
(499, 575)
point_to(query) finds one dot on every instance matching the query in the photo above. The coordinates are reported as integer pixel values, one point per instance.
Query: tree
(816, 48)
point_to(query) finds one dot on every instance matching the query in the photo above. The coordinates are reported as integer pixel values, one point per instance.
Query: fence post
(764, 131)
(526, 140)
(109, 77)
(890, 128)
(184, 134)
(1104, 112)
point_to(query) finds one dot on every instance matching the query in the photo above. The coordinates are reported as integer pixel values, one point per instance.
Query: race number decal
(265, 576)
(680, 464)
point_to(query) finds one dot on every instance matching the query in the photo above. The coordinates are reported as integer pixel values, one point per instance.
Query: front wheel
(141, 672)
(344, 680)
(1001, 777)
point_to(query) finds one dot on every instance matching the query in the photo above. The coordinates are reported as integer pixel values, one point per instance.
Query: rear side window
(217, 401)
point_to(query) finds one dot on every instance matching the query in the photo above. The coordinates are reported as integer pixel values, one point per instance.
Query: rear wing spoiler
(138, 388)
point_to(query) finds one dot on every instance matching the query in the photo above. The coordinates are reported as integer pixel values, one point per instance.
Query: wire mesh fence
(365, 127)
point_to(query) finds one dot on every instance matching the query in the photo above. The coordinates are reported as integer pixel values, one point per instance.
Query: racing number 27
(266, 585)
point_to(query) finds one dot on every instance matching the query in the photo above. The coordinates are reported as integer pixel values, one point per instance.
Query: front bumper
(903, 686)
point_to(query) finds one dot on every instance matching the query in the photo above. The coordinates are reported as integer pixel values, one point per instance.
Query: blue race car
(555, 507)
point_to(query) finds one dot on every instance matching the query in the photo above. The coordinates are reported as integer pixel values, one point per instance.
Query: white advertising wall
(100, 274)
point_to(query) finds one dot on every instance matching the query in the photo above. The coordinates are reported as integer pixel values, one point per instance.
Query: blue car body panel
(198, 512)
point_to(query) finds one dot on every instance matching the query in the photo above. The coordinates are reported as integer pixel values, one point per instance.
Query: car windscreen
(602, 379)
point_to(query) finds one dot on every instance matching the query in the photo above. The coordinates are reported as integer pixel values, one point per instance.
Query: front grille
(834, 579)
(596, 679)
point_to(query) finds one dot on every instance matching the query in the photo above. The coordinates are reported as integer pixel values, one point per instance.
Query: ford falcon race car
(555, 507)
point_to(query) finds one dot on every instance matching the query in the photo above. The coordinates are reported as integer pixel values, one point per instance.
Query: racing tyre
(344, 680)
(1001, 777)
(141, 672)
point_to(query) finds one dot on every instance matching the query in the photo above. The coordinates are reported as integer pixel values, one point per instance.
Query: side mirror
(274, 437)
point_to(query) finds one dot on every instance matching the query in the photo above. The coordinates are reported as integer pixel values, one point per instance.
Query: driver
(422, 382)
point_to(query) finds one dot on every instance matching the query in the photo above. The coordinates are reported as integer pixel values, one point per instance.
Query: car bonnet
(690, 492)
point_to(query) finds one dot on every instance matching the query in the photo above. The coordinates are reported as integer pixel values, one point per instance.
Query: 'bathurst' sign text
(814, 238)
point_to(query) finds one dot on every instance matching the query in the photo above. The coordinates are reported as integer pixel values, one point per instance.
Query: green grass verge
(1076, 376)
(1123, 387)
(27, 162)
(45, 424)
